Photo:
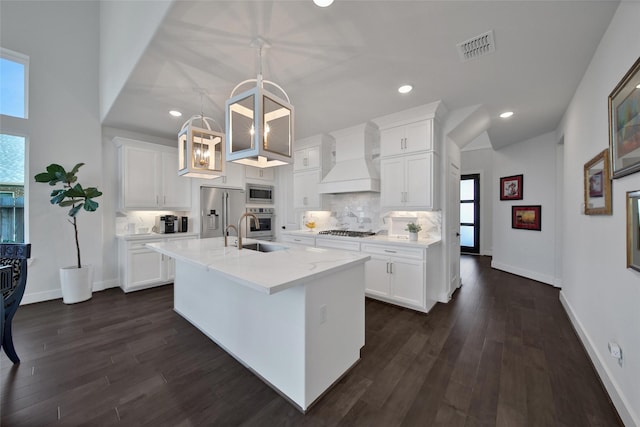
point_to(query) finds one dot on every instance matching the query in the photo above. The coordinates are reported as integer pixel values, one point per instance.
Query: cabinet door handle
(157, 200)
(390, 251)
(387, 268)
(304, 201)
(164, 200)
(390, 268)
(305, 162)
(261, 173)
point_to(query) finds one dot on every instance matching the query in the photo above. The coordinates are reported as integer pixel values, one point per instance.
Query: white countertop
(267, 272)
(420, 243)
(146, 236)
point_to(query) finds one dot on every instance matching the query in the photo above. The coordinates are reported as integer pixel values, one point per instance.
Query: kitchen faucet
(226, 230)
(255, 222)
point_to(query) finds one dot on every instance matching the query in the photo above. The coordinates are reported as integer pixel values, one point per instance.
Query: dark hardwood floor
(502, 352)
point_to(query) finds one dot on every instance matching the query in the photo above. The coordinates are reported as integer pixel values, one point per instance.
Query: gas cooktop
(347, 233)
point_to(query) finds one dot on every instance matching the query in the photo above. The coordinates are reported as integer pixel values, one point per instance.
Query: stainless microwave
(257, 193)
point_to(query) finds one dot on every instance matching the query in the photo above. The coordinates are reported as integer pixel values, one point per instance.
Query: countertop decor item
(597, 185)
(624, 124)
(413, 230)
(76, 281)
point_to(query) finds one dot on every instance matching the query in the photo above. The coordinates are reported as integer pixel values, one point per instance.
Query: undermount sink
(263, 247)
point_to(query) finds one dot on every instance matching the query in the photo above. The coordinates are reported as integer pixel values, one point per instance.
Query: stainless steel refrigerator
(218, 208)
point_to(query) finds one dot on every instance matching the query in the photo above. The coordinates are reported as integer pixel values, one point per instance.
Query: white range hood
(354, 170)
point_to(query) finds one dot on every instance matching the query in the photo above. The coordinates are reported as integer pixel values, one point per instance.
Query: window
(14, 84)
(470, 213)
(12, 155)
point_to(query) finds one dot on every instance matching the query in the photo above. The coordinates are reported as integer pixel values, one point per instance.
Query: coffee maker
(167, 224)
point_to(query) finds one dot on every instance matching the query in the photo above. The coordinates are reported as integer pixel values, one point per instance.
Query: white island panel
(295, 317)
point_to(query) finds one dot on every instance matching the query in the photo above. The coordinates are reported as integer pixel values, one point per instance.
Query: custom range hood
(354, 170)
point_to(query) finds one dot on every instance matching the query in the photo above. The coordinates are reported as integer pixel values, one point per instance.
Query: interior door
(453, 226)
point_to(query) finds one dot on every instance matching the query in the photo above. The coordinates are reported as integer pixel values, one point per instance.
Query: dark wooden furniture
(12, 285)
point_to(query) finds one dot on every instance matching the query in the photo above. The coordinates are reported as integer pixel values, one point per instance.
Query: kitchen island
(294, 316)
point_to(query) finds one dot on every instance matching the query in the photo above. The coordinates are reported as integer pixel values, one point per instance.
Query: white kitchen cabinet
(306, 158)
(141, 267)
(298, 239)
(396, 275)
(234, 176)
(407, 182)
(407, 139)
(311, 162)
(149, 179)
(305, 191)
(260, 174)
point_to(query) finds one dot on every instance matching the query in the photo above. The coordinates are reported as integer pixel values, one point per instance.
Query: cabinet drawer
(140, 244)
(338, 244)
(299, 240)
(396, 251)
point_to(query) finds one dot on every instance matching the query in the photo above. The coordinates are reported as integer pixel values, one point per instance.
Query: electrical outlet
(323, 314)
(615, 351)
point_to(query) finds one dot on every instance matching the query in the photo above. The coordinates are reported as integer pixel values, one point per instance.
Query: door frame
(475, 250)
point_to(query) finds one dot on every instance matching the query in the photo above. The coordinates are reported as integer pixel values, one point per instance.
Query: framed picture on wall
(526, 217)
(597, 185)
(633, 230)
(624, 124)
(511, 187)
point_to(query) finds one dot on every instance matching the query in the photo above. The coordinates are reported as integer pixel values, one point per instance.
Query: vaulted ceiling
(342, 65)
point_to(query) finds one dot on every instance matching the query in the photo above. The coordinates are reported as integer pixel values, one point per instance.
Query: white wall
(481, 161)
(527, 253)
(61, 39)
(600, 294)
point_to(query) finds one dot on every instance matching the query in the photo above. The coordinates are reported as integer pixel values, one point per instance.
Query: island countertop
(267, 272)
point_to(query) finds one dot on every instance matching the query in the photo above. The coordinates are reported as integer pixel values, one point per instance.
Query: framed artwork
(511, 187)
(597, 185)
(526, 217)
(633, 230)
(624, 124)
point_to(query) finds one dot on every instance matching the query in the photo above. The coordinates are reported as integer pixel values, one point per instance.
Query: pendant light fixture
(259, 124)
(200, 149)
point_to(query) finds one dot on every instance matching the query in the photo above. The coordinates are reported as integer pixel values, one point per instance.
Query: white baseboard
(625, 410)
(105, 284)
(534, 275)
(32, 298)
(41, 296)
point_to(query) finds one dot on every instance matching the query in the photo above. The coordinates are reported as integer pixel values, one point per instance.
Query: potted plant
(413, 230)
(76, 281)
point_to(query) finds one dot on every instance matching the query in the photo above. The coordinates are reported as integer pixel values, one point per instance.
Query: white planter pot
(76, 283)
(413, 237)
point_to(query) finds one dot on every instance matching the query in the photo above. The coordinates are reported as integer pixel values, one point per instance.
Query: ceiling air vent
(476, 47)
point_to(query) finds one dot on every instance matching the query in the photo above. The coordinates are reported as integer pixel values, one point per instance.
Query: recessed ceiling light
(405, 88)
(506, 114)
(175, 113)
(323, 3)
(638, 87)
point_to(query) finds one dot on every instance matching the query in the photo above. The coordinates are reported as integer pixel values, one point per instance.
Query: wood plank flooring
(502, 352)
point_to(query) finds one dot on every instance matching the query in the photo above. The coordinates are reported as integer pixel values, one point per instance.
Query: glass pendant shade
(259, 128)
(200, 150)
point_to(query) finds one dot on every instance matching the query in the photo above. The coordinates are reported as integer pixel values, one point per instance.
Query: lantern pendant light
(259, 124)
(200, 149)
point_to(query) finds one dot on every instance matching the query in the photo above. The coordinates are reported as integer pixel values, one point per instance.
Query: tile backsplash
(141, 221)
(361, 211)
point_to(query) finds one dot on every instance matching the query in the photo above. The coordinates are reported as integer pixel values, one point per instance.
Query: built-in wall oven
(262, 194)
(266, 219)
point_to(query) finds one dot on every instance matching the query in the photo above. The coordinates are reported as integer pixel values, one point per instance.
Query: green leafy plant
(70, 195)
(413, 228)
